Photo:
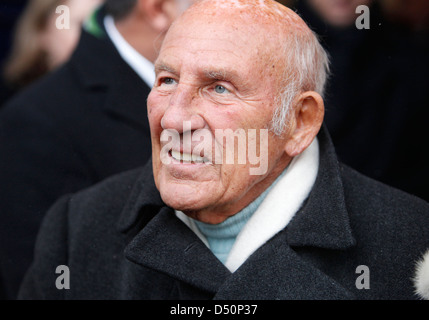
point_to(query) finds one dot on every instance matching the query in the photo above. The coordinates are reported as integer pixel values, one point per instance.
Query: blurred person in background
(377, 99)
(413, 14)
(10, 11)
(80, 124)
(38, 45)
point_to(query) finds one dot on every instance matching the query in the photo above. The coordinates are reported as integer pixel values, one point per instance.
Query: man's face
(213, 77)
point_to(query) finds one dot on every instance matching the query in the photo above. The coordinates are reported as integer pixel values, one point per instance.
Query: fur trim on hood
(421, 278)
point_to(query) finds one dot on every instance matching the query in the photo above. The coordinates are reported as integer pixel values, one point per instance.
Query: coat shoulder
(385, 213)
(53, 85)
(384, 208)
(391, 228)
(104, 200)
(385, 219)
(374, 197)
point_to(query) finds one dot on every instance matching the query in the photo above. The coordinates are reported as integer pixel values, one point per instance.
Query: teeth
(186, 157)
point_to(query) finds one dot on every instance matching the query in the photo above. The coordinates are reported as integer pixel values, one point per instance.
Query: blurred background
(377, 97)
(10, 11)
(31, 44)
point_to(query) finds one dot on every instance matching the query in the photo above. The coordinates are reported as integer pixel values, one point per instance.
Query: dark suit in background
(377, 99)
(75, 127)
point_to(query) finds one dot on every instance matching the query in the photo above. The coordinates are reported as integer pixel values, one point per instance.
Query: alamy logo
(63, 280)
(362, 282)
(224, 147)
(63, 20)
(362, 22)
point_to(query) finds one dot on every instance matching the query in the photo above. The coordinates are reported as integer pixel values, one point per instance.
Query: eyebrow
(220, 74)
(164, 67)
(208, 73)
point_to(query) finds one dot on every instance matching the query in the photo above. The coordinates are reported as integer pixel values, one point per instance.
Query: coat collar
(143, 203)
(172, 248)
(161, 243)
(290, 277)
(165, 244)
(323, 220)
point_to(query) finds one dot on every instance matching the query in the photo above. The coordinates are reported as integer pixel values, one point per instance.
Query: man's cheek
(154, 102)
(154, 117)
(157, 106)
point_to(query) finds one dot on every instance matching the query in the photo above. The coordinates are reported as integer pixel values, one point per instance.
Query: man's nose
(183, 108)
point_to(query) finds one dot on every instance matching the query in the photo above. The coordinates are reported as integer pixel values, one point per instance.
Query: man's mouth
(184, 157)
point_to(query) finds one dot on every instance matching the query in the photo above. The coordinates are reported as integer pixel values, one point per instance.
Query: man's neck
(133, 31)
(138, 62)
(221, 237)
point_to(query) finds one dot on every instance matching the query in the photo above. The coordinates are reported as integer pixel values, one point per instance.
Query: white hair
(307, 69)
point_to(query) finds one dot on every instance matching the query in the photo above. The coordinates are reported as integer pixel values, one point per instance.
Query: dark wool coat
(121, 242)
(79, 125)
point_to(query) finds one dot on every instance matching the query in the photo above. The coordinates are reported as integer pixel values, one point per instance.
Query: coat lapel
(323, 220)
(168, 246)
(101, 70)
(161, 242)
(276, 272)
(126, 98)
(143, 203)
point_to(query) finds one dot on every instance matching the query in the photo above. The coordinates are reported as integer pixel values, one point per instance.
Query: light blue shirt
(221, 237)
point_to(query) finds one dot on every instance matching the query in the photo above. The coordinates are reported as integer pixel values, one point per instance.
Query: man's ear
(159, 14)
(307, 118)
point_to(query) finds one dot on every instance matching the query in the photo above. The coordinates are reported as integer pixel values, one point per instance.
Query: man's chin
(181, 203)
(193, 208)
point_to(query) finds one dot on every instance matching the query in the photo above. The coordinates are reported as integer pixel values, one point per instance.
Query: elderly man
(212, 224)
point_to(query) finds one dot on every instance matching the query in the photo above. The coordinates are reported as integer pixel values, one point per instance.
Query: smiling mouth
(184, 157)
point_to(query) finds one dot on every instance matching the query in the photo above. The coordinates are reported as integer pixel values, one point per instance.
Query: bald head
(267, 10)
(267, 16)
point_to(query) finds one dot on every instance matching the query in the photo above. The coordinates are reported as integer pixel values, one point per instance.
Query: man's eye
(168, 81)
(220, 89)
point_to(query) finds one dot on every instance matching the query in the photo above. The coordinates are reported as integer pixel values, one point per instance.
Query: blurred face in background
(60, 43)
(338, 13)
(413, 13)
(179, 6)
